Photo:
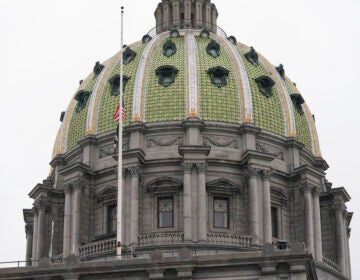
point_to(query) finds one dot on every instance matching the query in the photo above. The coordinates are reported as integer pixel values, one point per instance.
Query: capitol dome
(220, 174)
(210, 76)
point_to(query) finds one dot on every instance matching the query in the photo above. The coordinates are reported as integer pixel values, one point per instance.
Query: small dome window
(128, 56)
(298, 100)
(115, 84)
(98, 68)
(218, 76)
(281, 70)
(232, 39)
(265, 85)
(169, 48)
(146, 39)
(252, 57)
(166, 75)
(174, 33)
(204, 34)
(81, 97)
(213, 49)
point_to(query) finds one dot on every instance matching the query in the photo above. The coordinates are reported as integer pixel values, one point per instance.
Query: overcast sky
(46, 47)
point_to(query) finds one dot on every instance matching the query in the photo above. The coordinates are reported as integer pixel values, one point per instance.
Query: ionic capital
(201, 167)
(134, 171)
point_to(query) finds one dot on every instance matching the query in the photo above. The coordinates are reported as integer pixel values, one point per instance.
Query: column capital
(134, 171)
(338, 206)
(316, 191)
(68, 188)
(78, 185)
(187, 167)
(42, 203)
(201, 167)
(252, 172)
(35, 210)
(266, 174)
(29, 229)
(306, 188)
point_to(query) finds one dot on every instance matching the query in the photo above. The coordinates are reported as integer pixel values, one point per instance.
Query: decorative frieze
(270, 149)
(166, 140)
(222, 141)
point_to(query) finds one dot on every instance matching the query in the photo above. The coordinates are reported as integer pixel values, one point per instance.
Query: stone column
(29, 230)
(176, 13)
(134, 214)
(348, 252)
(254, 226)
(187, 14)
(67, 221)
(76, 212)
(166, 18)
(309, 221)
(317, 224)
(198, 14)
(34, 256)
(187, 202)
(266, 175)
(339, 207)
(202, 198)
(41, 205)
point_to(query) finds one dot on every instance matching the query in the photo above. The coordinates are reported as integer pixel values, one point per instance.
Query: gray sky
(46, 47)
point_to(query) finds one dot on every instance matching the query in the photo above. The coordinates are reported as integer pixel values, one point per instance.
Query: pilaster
(253, 205)
(317, 224)
(266, 178)
(68, 189)
(306, 189)
(134, 214)
(202, 199)
(339, 211)
(41, 204)
(187, 212)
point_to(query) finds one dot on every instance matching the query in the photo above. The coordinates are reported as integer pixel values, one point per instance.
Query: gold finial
(137, 117)
(193, 113)
(292, 134)
(248, 119)
(89, 132)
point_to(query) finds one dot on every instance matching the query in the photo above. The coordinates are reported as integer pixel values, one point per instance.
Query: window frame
(158, 211)
(227, 211)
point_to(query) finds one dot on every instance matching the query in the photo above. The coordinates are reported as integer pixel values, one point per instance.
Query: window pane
(274, 222)
(111, 218)
(165, 212)
(221, 212)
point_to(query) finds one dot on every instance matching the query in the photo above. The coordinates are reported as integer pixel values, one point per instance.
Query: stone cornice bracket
(266, 174)
(187, 167)
(201, 167)
(134, 171)
(42, 203)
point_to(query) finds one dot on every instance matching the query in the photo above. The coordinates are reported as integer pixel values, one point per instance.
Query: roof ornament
(166, 75)
(298, 100)
(232, 39)
(204, 34)
(128, 56)
(62, 116)
(81, 97)
(115, 84)
(80, 82)
(98, 68)
(265, 85)
(174, 33)
(252, 57)
(146, 39)
(213, 49)
(281, 70)
(169, 48)
(218, 76)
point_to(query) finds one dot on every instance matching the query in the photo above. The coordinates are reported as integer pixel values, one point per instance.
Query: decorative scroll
(222, 141)
(164, 141)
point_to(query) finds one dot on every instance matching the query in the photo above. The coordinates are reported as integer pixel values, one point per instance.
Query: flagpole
(119, 228)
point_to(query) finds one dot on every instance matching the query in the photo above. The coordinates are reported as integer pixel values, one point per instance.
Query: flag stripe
(117, 112)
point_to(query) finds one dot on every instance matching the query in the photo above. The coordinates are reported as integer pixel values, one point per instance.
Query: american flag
(117, 112)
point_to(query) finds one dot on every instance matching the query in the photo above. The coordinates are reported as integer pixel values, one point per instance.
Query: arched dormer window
(218, 76)
(128, 56)
(115, 84)
(98, 68)
(265, 85)
(232, 40)
(213, 49)
(281, 70)
(298, 100)
(169, 48)
(166, 75)
(81, 97)
(252, 57)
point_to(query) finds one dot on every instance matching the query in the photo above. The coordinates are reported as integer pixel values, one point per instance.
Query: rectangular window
(221, 212)
(274, 222)
(111, 219)
(165, 212)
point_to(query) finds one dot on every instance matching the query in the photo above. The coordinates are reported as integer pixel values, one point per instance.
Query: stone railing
(98, 248)
(161, 238)
(232, 239)
(331, 264)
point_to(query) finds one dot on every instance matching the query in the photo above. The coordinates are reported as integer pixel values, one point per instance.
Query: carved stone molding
(222, 141)
(270, 149)
(106, 151)
(134, 171)
(201, 167)
(253, 172)
(166, 140)
(266, 174)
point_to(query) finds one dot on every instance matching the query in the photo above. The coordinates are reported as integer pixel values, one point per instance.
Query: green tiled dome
(192, 80)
